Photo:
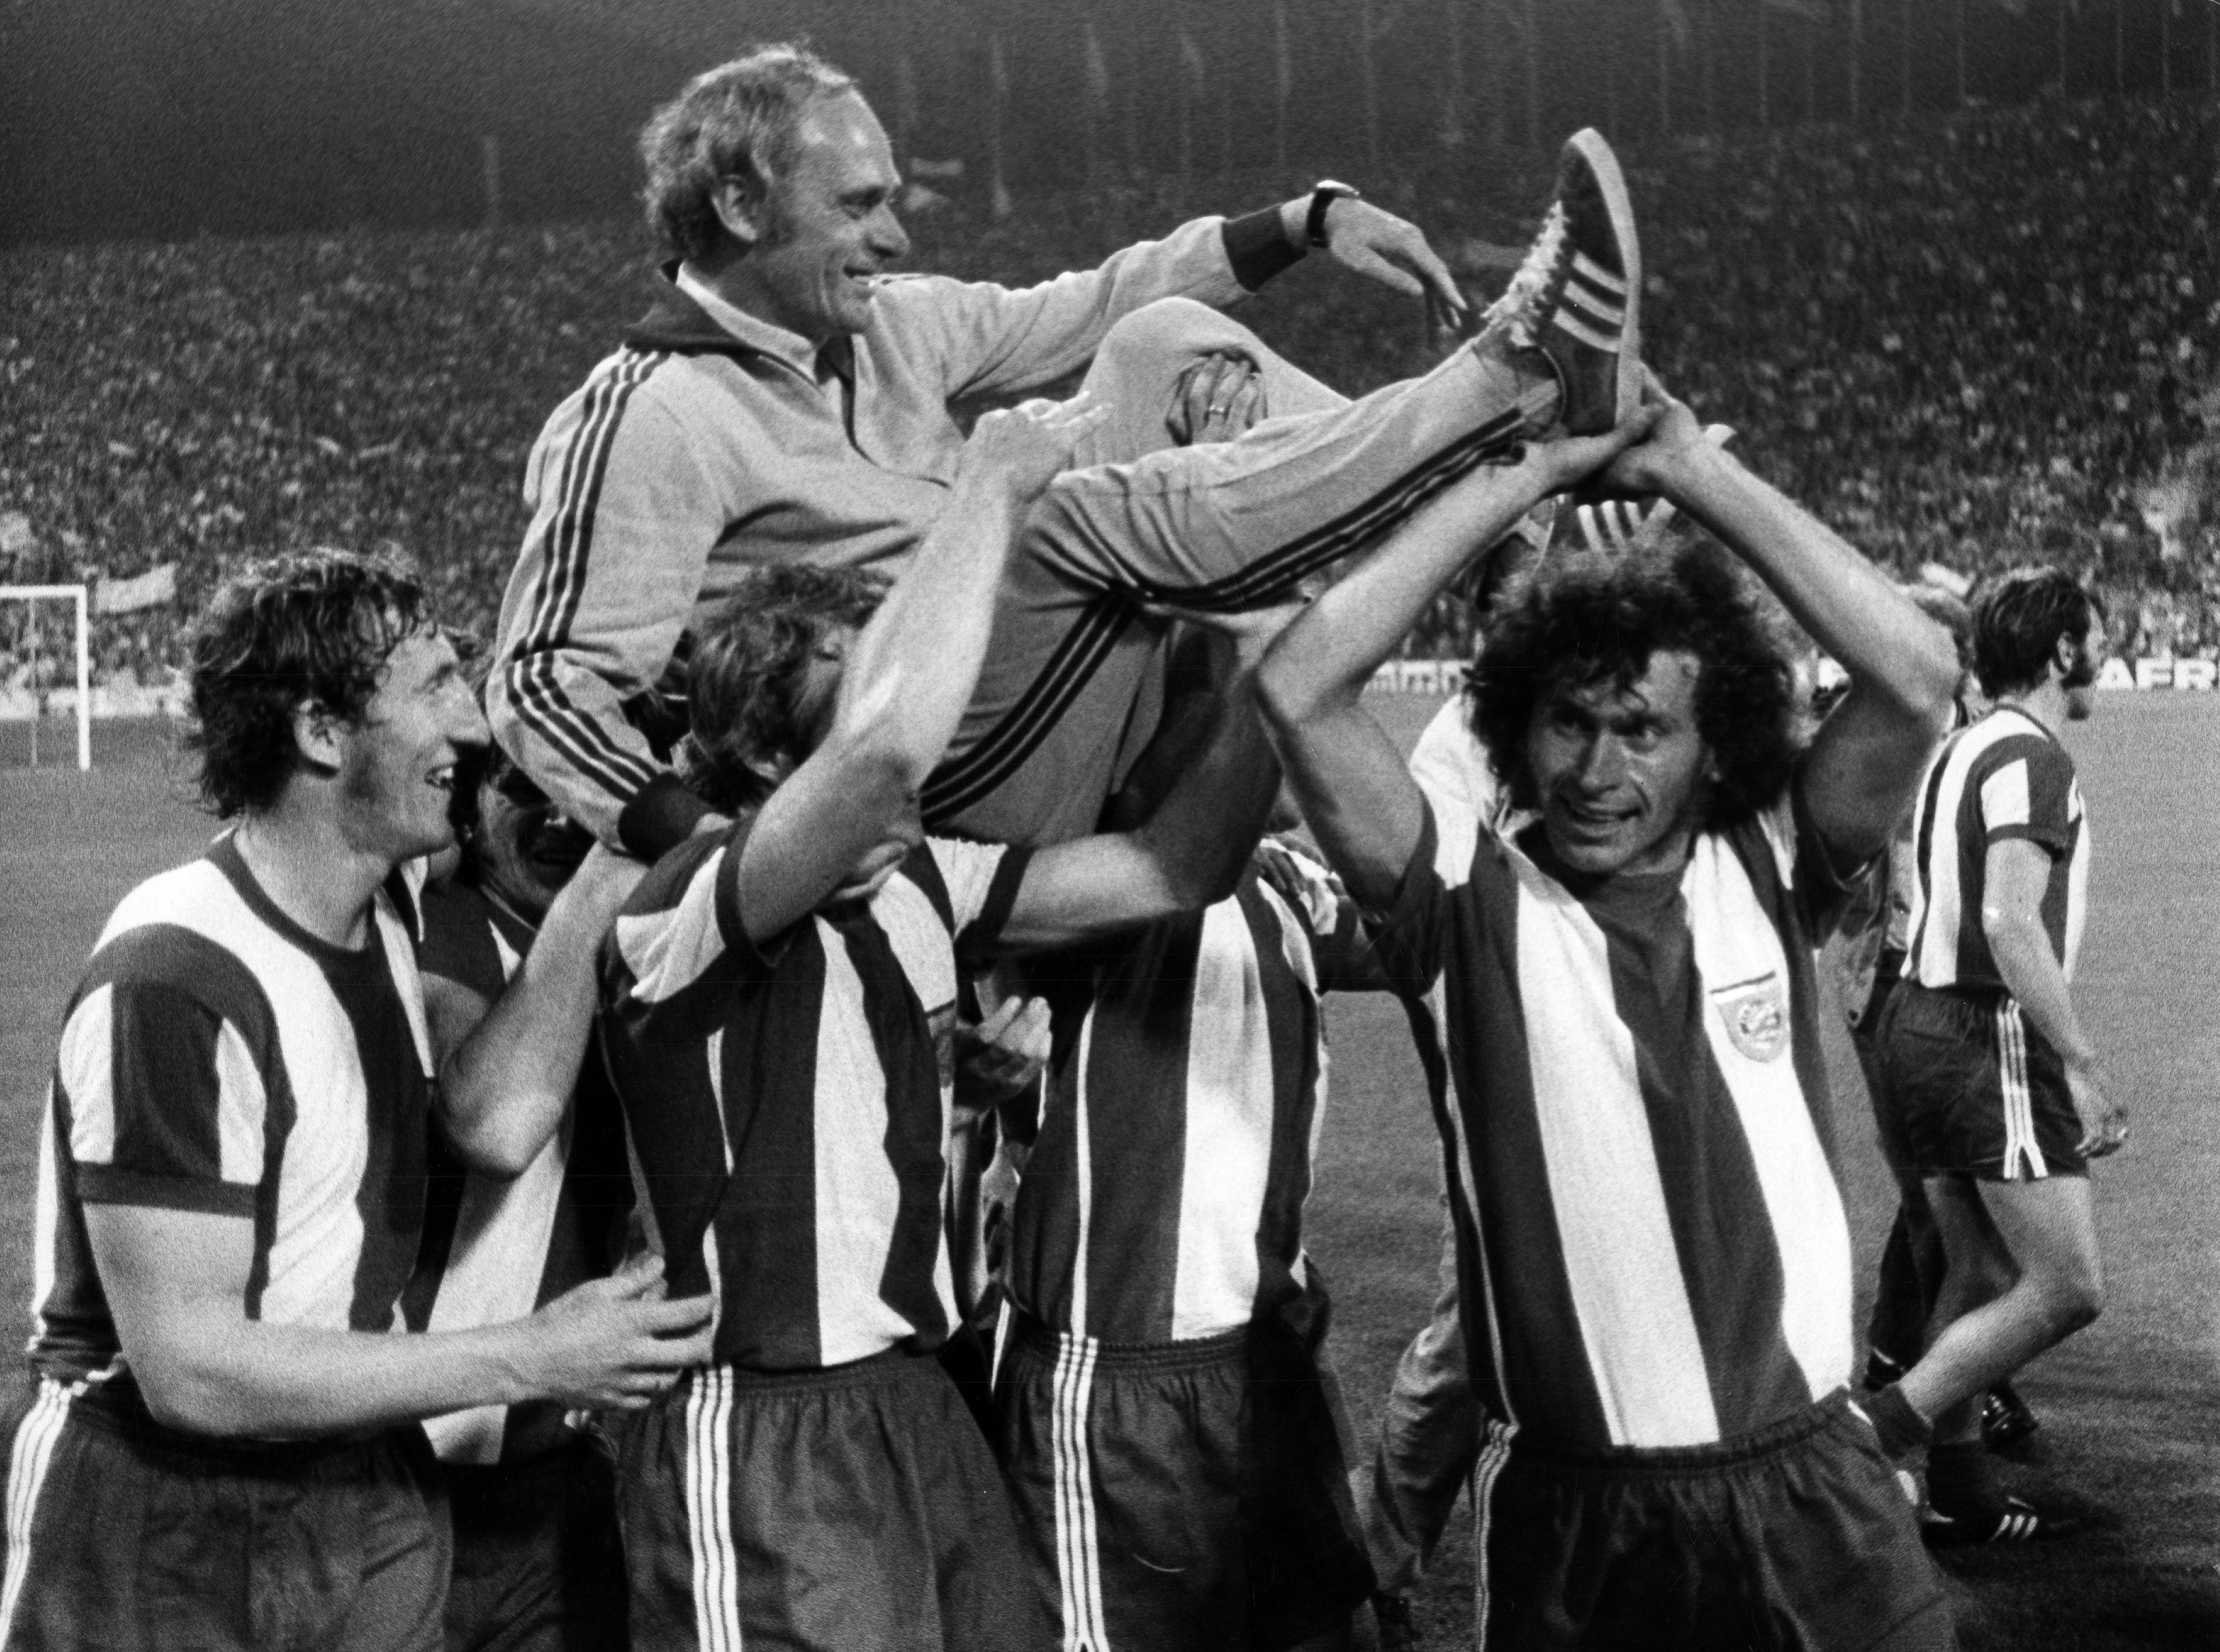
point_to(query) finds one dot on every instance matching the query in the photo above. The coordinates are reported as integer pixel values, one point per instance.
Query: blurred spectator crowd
(1973, 342)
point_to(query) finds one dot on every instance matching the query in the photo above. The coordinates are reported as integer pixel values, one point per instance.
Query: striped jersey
(1628, 1080)
(218, 1058)
(789, 1104)
(1163, 1198)
(497, 1247)
(2005, 777)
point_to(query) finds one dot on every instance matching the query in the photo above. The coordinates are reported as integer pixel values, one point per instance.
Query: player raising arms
(222, 1450)
(1654, 1257)
(779, 1005)
(787, 400)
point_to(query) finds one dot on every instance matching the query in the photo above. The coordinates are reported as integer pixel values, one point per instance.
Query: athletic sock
(1903, 1431)
(1961, 1480)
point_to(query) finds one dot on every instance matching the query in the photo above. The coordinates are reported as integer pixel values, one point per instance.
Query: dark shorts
(1980, 1093)
(538, 1566)
(124, 1536)
(1190, 1497)
(1796, 1538)
(854, 1509)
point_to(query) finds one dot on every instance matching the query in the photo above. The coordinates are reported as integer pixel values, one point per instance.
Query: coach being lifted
(788, 400)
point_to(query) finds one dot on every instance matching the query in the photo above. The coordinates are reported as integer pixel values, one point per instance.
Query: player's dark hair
(1591, 617)
(744, 682)
(735, 121)
(2018, 618)
(310, 628)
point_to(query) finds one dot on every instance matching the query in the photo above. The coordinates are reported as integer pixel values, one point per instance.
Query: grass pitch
(2130, 1407)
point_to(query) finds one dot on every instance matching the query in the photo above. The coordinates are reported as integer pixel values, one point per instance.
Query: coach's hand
(1378, 245)
(2104, 1121)
(1218, 397)
(1028, 446)
(612, 1344)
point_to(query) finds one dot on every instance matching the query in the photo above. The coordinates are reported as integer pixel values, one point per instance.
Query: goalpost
(79, 597)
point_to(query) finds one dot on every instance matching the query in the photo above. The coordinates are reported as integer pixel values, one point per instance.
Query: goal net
(45, 653)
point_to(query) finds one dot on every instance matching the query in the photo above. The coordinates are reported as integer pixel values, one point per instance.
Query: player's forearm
(235, 1379)
(1892, 650)
(503, 1091)
(2031, 974)
(1202, 833)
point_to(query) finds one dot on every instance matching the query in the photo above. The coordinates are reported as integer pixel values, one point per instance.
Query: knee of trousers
(1168, 333)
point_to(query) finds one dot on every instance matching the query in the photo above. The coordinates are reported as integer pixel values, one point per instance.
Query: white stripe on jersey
(494, 1267)
(27, 1464)
(1622, 1263)
(1735, 944)
(857, 1193)
(669, 950)
(1459, 1149)
(2077, 885)
(1228, 1110)
(1084, 1146)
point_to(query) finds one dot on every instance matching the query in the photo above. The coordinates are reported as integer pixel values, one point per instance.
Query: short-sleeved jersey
(1629, 1084)
(787, 1105)
(1163, 1198)
(2005, 777)
(218, 1058)
(498, 1247)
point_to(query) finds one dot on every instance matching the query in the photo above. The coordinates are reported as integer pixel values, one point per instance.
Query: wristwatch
(1323, 194)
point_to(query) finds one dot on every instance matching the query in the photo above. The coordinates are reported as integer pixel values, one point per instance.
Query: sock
(1961, 1480)
(1902, 1429)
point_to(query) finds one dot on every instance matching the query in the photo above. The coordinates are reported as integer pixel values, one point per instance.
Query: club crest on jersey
(1757, 1016)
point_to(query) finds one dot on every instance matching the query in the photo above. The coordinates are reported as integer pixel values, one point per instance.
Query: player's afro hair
(1591, 617)
(310, 628)
(748, 728)
(2018, 618)
(735, 121)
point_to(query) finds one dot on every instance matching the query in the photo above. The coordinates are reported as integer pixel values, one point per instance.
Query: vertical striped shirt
(1163, 1198)
(1628, 1080)
(498, 1247)
(218, 1058)
(2007, 776)
(787, 1103)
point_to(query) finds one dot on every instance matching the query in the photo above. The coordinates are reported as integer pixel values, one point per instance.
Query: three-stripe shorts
(126, 1537)
(1796, 1537)
(1979, 1091)
(856, 1509)
(1184, 1497)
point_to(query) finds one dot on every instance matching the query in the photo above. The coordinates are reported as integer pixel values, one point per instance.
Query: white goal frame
(81, 597)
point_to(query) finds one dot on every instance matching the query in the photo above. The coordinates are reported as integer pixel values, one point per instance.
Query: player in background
(1652, 1254)
(2002, 1099)
(223, 1448)
(538, 1561)
(788, 400)
(779, 1005)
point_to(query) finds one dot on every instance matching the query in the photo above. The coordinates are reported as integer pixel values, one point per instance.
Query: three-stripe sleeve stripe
(2019, 1097)
(26, 1472)
(709, 1510)
(1078, 1558)
(565, 549)
(1494, 1452)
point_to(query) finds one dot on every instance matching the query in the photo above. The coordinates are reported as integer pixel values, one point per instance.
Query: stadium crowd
(1932, 332)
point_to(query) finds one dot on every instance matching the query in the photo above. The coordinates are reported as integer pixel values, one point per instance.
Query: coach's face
(828, 227)
(397, 768)
(1620, 773)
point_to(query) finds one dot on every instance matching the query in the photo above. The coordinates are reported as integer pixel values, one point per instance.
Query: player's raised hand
(615, 1343)
(1378, 245)
(1218, 397)
(1029, 445)
(1004, 1053)
(1673, 437)
(2104, 1121)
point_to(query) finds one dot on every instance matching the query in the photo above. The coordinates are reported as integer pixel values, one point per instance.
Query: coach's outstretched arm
(847, 816)
(1859, 776)
(1356, 792)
